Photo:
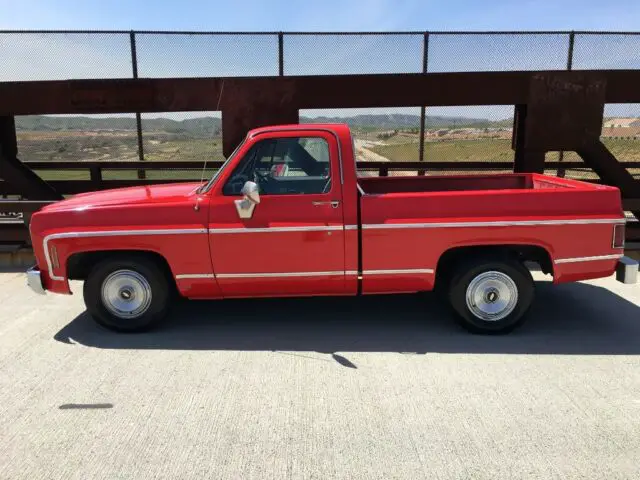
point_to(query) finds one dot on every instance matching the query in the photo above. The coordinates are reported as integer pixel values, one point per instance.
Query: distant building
(621, 123)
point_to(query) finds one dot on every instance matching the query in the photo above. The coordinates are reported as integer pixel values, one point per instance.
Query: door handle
(334, 204)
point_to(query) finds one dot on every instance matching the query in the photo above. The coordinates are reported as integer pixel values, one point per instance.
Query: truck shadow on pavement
(578, 318)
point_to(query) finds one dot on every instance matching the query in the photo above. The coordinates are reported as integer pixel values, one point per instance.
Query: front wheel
(127, 294)
(491, 295)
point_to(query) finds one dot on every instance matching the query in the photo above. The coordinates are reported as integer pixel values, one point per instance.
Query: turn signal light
(618, 236)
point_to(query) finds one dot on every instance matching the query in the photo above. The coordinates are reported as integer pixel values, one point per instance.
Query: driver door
(293, 244)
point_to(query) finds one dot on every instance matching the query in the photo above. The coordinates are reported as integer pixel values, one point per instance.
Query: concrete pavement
(376, 387)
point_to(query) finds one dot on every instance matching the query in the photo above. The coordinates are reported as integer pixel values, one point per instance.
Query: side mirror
(251, 192)
(247, 205)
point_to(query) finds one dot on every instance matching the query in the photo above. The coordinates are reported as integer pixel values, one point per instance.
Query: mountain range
(211, 126)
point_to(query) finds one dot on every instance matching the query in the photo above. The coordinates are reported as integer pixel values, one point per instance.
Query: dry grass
(107, 146)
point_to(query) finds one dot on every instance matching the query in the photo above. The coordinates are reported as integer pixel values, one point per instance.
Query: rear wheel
(491, 295)
(127, 294)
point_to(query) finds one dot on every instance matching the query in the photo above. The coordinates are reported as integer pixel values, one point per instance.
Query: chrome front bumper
(627, 270)
(34, 280)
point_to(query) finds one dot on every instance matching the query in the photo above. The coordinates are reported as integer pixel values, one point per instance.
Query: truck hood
(131, 196)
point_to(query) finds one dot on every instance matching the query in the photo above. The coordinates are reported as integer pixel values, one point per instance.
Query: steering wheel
(260, 178)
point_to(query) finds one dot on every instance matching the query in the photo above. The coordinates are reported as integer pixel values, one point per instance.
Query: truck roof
(336, 127)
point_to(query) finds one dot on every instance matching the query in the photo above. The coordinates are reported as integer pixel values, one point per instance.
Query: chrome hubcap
(492, 296)
(126, 294)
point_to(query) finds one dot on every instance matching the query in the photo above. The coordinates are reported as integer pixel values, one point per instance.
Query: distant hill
(211, 126)
(406, 121)
(202, 126)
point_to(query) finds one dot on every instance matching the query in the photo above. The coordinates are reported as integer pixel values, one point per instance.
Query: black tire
(136, 270)
(488, 272)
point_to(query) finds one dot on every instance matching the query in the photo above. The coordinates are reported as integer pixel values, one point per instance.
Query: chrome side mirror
(247, 205)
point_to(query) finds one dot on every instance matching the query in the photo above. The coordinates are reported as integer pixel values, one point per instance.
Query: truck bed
(408, 223)
(483, 197)
(525, 181)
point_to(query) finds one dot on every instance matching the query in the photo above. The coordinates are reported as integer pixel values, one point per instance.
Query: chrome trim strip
(360, 189)
(351, 227)
(499, 223)
(280, 274)
(588, 259)
(415, 271)
(330, 228)
(183, 276)
(110, 233)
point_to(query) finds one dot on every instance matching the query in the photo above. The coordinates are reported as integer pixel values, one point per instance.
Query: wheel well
(79, 264)
(523, 253)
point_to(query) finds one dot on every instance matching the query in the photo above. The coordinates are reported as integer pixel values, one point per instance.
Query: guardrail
(97, 169)
(15, 230)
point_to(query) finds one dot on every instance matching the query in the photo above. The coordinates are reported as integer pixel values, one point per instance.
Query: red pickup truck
(287, 215)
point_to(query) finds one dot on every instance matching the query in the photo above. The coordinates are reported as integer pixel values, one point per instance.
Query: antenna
(204, 167)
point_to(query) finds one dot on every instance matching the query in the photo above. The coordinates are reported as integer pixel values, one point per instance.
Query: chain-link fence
(420, 133)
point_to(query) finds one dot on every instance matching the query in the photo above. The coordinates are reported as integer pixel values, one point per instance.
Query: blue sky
(29, 57)
(322, 14)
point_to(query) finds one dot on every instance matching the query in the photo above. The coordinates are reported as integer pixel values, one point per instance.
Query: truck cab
(287, 215)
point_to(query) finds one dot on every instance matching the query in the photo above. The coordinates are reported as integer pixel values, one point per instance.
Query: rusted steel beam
(564, 110)
(631, 204)
(13, 172)
(124, 165)
(81, 186)
(326, 91)
(22, 206)
(529, 161)
(14, 232)
(263, 109)
(8, 139)
(518, 136)
(601, 160)
(633, 232)
(196, 166)
(597, 156)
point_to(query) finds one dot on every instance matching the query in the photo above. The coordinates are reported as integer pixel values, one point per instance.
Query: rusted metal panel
(270, 103)
(203, 94)
(529, 161)
(601, 160)
(564, 110)
(196, 166)
(13, 172)
(631, 204)
(633, 233)
(81, 186)
(124, 165)
(14, 232)
(22, 206)
(325, 91)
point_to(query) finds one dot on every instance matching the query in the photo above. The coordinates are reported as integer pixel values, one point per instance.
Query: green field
(450, 151)
(108, 146)
(105, 147)
(498, 150)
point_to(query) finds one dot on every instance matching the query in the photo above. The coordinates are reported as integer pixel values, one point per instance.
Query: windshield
(205, 188)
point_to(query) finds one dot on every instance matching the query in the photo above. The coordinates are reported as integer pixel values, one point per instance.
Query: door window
(284, 166)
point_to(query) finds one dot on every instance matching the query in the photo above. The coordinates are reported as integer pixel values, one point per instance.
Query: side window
(284, 166)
